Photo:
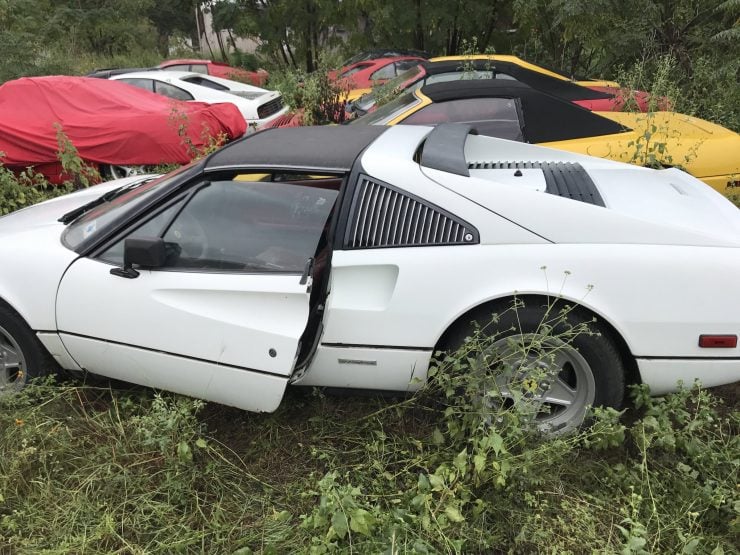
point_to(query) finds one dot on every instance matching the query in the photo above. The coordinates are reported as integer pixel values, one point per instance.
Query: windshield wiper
(102, 199)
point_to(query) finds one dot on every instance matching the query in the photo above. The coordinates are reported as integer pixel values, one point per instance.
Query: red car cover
(109, 122)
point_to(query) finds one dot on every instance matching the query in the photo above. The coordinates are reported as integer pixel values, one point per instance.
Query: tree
(169, 17)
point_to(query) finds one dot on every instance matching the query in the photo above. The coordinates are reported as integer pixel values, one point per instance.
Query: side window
(171, 91)
(203, 82)
(403, 65)
(495, 117)
(251, 226)
(146, 84)
(385, 72)
(199, 68)
(354, 70)
(178, 67)
(153, 228)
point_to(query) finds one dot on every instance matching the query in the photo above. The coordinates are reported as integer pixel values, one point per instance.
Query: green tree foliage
(593, 38)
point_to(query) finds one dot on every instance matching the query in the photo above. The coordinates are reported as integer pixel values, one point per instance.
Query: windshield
(399, 83)
(97, 219)
(386, 113)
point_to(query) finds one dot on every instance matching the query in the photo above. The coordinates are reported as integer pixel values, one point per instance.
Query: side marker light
(718, 341)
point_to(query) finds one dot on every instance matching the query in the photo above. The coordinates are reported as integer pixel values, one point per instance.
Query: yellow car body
(518, 61)
(706, 150)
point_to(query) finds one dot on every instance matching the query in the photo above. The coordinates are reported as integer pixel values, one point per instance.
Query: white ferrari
(346, 256)
(257, 105)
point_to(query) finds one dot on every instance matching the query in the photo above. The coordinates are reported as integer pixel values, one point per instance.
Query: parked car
(515, 111)
(258, 106)
(346, 256)
(439, 70)
(375, 53)
(360, 76)
(115, 128)
(217, 69)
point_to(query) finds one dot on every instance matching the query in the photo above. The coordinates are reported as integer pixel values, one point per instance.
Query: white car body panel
(248, 107)
(602, 279)
(38, 226)
(231, 319)
(366, 368)
(662, 375)
(222, 384)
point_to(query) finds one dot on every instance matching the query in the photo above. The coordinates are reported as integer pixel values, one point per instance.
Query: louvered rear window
(383, 216)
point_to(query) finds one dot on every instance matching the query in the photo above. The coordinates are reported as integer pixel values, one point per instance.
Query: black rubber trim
(563, 179)
(444, 148)
(393, 347)
(160, 351)
(685, 358)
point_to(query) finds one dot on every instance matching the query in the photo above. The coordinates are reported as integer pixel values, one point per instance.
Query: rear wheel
(22, 357)
(554, 362)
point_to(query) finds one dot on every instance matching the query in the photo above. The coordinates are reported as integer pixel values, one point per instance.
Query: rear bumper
(663, 375)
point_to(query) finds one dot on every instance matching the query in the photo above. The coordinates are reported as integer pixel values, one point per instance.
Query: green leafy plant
(319, 98)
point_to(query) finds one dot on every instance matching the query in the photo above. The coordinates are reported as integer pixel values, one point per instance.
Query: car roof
(105, 73)
(547, 118)
(331, 148)
(161, 73)
(566, 90)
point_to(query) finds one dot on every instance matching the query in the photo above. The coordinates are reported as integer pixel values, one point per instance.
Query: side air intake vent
(383, 216)
(564, 179)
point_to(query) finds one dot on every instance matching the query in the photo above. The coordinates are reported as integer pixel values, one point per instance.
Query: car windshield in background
(386, 113)
(401, 81)
(92, 222)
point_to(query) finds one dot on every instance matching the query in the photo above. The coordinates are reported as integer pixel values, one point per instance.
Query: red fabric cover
(108, 121)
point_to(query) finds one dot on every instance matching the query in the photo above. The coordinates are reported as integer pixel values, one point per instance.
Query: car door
(222, 318)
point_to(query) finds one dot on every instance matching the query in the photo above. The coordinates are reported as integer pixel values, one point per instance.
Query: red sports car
(114, 126)
(365, 74)
(217, 69)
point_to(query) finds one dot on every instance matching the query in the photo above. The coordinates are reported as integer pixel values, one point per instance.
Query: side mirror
(147, 252)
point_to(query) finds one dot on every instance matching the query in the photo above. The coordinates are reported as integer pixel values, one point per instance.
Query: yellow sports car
(515, 111)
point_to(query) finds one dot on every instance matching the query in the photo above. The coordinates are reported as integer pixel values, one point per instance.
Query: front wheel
(551, 360)
(22, 357)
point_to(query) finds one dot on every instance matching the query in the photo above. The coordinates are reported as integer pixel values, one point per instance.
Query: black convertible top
(566, 90)
(331, 148)
(546, 118)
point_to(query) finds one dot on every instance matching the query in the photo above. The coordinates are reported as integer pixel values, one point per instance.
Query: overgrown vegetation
(91, 469)
(579, 37)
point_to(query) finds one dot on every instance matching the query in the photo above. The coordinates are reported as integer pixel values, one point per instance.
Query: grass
(101, 468)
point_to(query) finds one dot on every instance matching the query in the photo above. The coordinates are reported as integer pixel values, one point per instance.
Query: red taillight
(715, 341)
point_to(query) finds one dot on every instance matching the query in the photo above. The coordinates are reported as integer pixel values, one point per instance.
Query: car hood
(47, 213)
(33, 258)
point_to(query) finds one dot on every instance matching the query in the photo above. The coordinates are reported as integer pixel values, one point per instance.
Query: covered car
(110, 124)
(346, 256)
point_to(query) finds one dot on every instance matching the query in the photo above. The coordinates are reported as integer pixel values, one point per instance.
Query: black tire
(22, 356)
(594, 346)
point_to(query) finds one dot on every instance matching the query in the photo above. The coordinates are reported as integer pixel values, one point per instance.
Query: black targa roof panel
(330, 148)
(546, 118)
(566, 90)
